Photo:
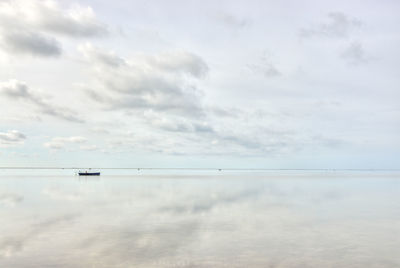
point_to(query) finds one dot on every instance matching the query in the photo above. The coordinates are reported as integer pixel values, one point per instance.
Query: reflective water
(250, 220)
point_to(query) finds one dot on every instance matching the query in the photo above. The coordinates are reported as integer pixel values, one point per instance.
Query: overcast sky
(272, 84)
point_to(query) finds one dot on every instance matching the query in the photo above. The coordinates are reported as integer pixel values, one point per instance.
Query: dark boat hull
(89, 173)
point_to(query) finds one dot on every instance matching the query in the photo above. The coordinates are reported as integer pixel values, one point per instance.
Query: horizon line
(209, 168)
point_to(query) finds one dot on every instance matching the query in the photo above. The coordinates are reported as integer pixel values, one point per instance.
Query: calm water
(248, 220)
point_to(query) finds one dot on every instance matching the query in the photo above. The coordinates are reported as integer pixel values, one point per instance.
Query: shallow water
(228, 220)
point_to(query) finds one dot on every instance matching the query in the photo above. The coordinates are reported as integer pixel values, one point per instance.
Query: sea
(201, 219)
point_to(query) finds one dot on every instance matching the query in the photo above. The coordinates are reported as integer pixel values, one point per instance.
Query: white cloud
(73, 139)
(89, 147)
(54, 145)
(58, 143)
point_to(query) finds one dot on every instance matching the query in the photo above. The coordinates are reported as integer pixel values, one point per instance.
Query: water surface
(224, 220)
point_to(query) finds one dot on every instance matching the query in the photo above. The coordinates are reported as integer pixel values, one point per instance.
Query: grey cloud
(18, 90)
(104, 57)
(211, 142)
(166, 102)
(30, 43)
(247, 143)
(30, 27)
(251, 145)
(355, 54)
(158, 82)
(180, 61)
(340, 25)
(211, 135)
(257, 140)
(329, 141)
(60, 112)
(176, 124)
(198, 127)
(264, 66)
(187, 127)
(266, 69)
(12, 137)
(225, 112)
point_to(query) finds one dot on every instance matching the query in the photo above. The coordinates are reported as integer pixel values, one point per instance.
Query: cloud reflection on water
(202, 222)
(10, 199)
(10, 244)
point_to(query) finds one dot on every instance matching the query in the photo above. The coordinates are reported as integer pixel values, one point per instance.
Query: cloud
(232, 21)
(107, 58)
(339, 25)
(74, 139)
(89, 147)
(221, 112)
(58, 143)
(12, 137)
(30, 43)
(176, 124)
(162, 82)
(159, 92)
(18, 90)
(77, 21)
(264, 67)
(221, 138)
(179, 61)
(31, 27)
(355, 54)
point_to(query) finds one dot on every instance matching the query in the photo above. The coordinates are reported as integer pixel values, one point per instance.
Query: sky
(239, 84)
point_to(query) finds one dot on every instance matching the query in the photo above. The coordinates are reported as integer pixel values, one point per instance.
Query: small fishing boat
(89, 173)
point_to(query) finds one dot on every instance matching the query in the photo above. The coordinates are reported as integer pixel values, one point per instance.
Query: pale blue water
(224, 220)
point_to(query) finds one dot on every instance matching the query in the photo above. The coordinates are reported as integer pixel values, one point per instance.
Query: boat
(89, 173)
